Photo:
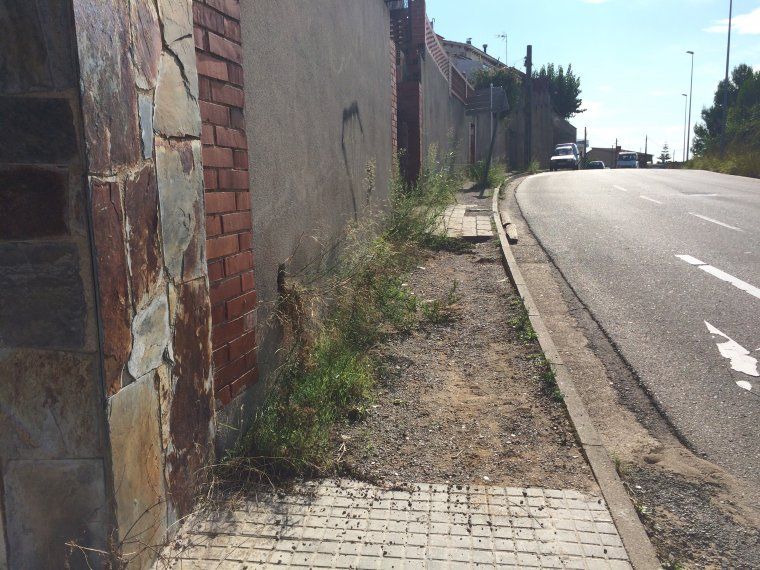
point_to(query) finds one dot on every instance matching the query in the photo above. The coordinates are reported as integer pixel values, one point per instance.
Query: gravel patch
(463, 402)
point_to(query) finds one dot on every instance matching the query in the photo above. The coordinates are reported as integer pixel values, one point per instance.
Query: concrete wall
(483, 128)
(444, 123)
(544, 131)
(318, 91)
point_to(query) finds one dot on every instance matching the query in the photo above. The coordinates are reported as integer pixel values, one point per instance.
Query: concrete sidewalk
(467, 221)
(348, 524)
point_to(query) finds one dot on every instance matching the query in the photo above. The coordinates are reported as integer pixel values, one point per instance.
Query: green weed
(496, 174)
(332, 322)
(521, 323)
(439, 312)
(548, 377)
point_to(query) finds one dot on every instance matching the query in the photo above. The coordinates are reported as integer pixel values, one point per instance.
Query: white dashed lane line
(650, 199)
(716, 222)
(616, 187)
(722, 275)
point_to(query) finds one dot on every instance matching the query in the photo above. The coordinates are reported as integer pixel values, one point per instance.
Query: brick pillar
(394, 97)
(228, 201)
(409, 90)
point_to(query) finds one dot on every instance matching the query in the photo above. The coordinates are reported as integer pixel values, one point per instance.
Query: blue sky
(629, 54)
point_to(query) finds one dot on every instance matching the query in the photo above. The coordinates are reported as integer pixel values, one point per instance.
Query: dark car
(596, 164)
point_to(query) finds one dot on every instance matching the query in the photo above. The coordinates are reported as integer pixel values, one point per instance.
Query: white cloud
(744, 24)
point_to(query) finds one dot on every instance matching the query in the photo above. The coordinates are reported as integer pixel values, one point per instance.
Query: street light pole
(685, 128)
(725, 85)
(691, 91)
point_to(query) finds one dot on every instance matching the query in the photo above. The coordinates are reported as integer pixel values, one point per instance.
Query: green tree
(743, 113)
(507, 77)
(664, 154)
(564, 88)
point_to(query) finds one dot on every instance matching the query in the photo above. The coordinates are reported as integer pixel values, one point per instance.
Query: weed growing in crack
(620, 467)
(521, 322)
(548, 377)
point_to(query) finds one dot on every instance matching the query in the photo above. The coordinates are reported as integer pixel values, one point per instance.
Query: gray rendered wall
(444, 123)
(483, 137)
(318, 112)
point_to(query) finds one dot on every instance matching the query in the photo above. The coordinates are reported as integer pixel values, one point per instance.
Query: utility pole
(646, 144)
(585, 143)
(614, 154)
(725, 86)
(685, 128)
(491, 107)
(529, 106)
(691, 91)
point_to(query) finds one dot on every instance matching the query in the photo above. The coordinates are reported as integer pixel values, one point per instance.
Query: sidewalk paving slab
(348, 524)
(467, 221)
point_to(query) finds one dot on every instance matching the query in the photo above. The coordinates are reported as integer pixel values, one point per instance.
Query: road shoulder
(695, 513)
(640, 549)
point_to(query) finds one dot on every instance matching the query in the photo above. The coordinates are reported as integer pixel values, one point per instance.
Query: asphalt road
(616, 236)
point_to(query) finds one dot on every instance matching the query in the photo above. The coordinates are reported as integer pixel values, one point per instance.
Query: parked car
(565, 156)
(567, 145)
(596, 165)
(628, 160)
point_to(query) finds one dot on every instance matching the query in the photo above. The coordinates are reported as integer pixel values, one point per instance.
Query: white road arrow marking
(740, 358)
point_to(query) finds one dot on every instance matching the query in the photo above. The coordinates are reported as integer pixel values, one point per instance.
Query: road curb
(632, 533)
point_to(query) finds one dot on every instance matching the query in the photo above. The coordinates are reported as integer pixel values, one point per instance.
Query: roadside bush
(496, 174)
(746, 163)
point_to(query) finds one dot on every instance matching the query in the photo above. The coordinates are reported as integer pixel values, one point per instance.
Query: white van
(628, 160)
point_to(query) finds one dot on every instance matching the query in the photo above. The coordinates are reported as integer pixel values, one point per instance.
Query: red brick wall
(228, 200)
(409, 88)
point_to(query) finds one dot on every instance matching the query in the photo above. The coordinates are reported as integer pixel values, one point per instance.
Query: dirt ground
(463, 402)
(697, 515)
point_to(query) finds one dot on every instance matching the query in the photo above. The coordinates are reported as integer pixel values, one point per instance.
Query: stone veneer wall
(142, 126)
(52, 438)
(106, 400)
(228, 199)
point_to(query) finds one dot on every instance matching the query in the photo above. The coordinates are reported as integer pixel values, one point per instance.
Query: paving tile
(348, 524)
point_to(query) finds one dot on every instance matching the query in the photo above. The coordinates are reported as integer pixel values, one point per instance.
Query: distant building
(467, 58)
(548, 128)
(609, 156)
